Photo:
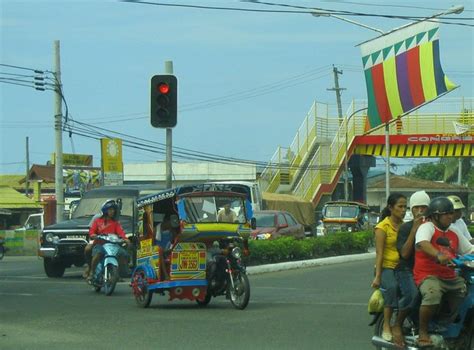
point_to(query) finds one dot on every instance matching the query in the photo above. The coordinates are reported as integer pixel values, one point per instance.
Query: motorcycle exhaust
(379, 341)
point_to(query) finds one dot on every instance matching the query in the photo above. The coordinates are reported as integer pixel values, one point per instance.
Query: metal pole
(169, 139)
(460, 172)
(58, 114)
(27, 178)
(387, 163)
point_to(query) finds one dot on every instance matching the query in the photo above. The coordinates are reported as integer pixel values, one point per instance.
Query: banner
(403, 71)
(69, 159)
(112, 164)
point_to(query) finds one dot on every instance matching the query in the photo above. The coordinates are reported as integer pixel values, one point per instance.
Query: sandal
(398, 338)
(424, 343)
(387, 336)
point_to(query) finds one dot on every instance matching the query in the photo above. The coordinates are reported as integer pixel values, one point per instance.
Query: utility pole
(27, 178)
(459, 171)
(58, 114)
(339, 113)
(169, 139)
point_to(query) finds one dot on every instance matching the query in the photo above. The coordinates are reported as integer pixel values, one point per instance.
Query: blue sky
(109, 51)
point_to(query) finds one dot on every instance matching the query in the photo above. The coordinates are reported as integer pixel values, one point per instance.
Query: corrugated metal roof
(12, 199)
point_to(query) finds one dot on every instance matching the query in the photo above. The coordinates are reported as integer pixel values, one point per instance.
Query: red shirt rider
(105, 226)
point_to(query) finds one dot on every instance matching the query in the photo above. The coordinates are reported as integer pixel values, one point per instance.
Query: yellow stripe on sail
(391, 86)
(427, 71)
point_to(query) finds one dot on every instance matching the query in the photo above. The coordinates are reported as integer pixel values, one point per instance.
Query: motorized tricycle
(190, 244)
(446, 331)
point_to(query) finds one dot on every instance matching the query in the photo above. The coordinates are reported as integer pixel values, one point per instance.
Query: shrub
(289, 249)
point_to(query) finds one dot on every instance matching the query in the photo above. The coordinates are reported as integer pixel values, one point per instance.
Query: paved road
(315, 308)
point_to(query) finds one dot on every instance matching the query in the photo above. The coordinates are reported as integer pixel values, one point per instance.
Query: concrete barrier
(21, 242)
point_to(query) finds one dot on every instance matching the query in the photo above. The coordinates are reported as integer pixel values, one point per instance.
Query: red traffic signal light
(164, 101)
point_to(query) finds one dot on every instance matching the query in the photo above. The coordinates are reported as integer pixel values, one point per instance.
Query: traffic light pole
(169, 139)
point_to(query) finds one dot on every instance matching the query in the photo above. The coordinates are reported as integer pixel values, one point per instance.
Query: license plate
(188, 261)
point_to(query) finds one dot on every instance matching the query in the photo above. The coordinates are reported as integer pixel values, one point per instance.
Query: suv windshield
(91, 207)
(215, 209)
(336, 211)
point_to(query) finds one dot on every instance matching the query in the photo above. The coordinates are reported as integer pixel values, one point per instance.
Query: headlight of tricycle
(469, 264)
(237, 253)
(49, 237)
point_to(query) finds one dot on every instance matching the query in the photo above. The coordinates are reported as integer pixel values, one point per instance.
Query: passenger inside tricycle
(180, 233)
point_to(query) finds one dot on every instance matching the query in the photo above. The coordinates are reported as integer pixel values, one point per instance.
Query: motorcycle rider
(458, 225)
(386, 256)
(105, 225)
(436, 245)
(419, 202)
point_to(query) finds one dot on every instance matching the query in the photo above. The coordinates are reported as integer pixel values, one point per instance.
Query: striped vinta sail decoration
(403, 71)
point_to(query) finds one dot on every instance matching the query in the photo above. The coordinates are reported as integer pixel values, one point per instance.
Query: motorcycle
(444, 333)
(227, 274)
(106, 273)
(3, 249)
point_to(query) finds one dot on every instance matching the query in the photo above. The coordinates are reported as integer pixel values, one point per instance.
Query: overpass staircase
(315, 160)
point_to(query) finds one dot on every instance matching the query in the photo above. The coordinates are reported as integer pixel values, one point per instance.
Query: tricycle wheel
(240, 294)
(206, 300)
(140, 289)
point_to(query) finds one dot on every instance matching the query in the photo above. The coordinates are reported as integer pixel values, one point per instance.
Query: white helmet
(419, 198)
(457, 202)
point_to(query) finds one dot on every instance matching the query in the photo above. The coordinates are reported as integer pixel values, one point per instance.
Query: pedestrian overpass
(312, 165)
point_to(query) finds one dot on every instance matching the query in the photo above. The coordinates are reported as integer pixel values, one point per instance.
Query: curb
(292, 265)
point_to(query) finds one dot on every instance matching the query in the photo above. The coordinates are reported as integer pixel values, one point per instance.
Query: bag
(376, 302)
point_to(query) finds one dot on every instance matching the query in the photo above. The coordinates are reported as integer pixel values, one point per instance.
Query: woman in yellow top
(386, 256)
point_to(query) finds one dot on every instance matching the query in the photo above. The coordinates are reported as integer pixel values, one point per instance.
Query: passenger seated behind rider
(458, 225)
(419, 202)
(105, 225)
(226, 214)
(165, 236)
(436, 246)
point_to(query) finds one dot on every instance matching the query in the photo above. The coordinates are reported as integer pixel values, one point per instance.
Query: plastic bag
(376, 302)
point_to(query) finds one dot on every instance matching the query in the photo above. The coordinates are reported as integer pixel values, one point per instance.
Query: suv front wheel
(54, 268)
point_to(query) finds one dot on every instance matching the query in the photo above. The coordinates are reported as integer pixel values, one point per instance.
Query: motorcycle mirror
(253, 223)
(443, 241)
(174, 221)
(119, 203)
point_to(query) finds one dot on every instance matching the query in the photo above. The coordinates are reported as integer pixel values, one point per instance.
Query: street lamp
(319, 13)
(346, 160)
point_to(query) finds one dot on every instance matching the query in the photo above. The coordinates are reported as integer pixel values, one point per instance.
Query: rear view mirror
(174, 221)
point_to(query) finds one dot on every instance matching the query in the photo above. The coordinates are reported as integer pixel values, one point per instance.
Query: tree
(427, 171)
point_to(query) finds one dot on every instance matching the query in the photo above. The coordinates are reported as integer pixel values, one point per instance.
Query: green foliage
(428, 171)
(290, 249)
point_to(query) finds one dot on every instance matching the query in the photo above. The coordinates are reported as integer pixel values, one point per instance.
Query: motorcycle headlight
(237, 253)
(469, 264)
(49, 237)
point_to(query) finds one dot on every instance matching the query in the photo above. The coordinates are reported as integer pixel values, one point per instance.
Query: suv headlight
(49, 237)
(237, 253)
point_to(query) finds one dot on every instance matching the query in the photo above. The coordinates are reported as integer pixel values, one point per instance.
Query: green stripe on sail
(419, 37)
(364, 60)
(386, 52)
(432, 33)
(375, 55)
(409, 41)
(372, 112)
(398, 46)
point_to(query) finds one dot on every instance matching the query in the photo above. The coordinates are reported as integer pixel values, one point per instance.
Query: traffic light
(164, 101)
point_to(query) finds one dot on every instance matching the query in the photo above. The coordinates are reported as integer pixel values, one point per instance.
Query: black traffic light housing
(164, 101)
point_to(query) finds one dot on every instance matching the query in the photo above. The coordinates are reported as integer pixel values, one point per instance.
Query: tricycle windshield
(213, 209)
(336, 211)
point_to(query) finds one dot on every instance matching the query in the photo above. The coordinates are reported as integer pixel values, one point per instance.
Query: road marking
(18, 294)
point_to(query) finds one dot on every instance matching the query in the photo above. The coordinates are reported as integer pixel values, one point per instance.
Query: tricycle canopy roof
(193, 190)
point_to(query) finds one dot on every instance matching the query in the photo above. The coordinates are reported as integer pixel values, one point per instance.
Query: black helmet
(110, 203)
(440, 205)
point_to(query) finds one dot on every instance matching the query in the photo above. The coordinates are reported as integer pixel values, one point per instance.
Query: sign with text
(112, 164)
(69, 159)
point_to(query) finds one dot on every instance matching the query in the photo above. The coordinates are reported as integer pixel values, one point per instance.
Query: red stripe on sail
(380, 93)
(414, 76)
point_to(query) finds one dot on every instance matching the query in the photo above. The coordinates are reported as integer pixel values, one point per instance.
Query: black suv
(62, 244)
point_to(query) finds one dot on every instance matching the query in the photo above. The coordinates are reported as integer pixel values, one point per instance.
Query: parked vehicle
(33, 222)
(106, 273)
(62, 244)
(445, 334)
(191, 243)
(347, 216)
(272, 224)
